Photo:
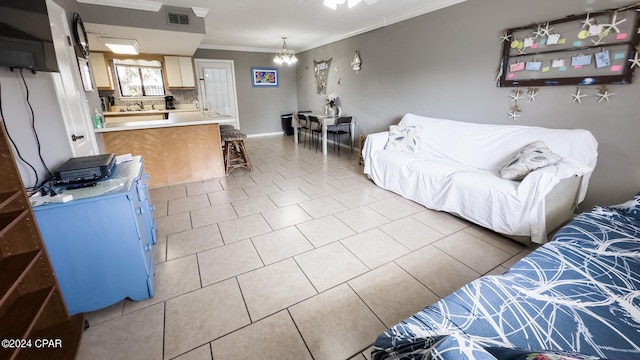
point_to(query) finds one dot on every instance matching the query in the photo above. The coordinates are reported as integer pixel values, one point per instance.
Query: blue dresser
(100, 243)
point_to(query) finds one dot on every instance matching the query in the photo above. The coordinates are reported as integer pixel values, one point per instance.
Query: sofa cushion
(404, 138)
(528, 159)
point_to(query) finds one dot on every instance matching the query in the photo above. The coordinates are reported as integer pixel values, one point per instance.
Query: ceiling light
(121, 46)
(145, 5)
(333, 4)
(285, 56)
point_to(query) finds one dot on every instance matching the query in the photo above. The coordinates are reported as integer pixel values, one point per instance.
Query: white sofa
(456, 170)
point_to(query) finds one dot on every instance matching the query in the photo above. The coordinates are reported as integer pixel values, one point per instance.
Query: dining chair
(341, 127)
(303, 127)
(316, 130)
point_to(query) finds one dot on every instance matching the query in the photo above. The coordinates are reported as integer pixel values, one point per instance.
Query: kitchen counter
(184, 148)
(179, 118)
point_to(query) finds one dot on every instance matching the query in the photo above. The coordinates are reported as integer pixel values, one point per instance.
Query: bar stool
(235, 153)
(226, 128)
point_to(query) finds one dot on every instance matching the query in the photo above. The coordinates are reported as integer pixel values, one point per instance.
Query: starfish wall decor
(516, 95)
(539, 32)
(514, 114)
(498, 73)
(604, 94)
(577, 97)
(614, 23)
(546, 31)
(532, 92)
(636, 60)
(586, 23)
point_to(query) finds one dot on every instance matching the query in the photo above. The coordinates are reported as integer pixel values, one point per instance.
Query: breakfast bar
(186, 147)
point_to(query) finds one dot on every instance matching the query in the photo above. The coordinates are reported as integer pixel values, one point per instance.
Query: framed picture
(85, 74)
(264, 77)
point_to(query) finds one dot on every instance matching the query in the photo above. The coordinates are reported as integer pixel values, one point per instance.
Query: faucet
(141, 105)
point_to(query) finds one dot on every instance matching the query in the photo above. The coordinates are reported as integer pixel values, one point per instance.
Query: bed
(578, 295)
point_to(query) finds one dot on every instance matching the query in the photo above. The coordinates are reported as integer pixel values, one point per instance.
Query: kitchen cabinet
(31, 306)
(179, 72)
(175, 154)
(100, 243)
(101, 71)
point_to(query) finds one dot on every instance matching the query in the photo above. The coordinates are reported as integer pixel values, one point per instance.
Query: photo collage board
(590, 49)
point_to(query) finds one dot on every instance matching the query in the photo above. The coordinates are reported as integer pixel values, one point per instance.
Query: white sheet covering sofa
(455, 169)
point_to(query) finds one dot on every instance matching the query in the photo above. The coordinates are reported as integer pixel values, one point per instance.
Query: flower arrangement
(332, 99)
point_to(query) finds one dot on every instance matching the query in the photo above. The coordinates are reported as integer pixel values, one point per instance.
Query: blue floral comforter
(579, 293)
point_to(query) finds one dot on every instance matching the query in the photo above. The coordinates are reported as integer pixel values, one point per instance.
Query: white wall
(444, 64)
(48, 121)
(54, 145)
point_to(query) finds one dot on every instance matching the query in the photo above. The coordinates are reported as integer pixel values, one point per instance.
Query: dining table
(325, 121)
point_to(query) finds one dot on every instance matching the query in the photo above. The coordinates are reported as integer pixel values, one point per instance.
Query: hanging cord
(35, 187)
(33, 125)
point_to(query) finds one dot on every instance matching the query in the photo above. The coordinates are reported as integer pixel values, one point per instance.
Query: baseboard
(267, 134)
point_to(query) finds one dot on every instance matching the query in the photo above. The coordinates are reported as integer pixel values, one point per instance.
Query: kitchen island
(184, 148)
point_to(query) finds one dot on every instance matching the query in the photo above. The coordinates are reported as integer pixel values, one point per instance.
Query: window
(137, 78)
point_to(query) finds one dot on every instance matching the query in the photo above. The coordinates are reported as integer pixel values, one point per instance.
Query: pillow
(404, 138)
(530, 158)
(501, 353)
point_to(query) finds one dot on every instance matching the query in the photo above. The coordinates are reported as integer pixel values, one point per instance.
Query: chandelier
(285, 56)
(333, 4)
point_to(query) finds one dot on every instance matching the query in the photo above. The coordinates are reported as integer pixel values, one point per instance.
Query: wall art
(590, 49)
(264, 77)
(321, 71)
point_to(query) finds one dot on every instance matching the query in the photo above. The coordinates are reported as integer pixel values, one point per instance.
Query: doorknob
(74, 137)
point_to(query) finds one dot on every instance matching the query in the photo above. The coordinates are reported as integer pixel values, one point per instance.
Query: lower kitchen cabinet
(100, 243)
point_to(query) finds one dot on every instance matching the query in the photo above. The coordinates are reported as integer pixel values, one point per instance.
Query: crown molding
(200, 11)
(236, 48)
(145, 5)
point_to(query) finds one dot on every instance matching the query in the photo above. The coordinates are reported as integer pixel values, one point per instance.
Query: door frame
(202, 63)
(70, 90)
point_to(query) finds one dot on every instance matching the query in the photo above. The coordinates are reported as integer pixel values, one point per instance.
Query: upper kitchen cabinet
(179, 72)
(101, 71)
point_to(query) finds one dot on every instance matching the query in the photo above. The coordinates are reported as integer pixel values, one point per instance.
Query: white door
(217, 87)
(69, 88)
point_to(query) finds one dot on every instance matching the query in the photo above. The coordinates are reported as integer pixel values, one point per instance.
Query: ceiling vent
(175, 18)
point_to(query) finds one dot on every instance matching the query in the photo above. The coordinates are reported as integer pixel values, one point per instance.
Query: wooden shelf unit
(31, 306)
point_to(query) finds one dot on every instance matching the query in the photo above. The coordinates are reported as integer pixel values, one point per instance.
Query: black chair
(341, 127)
(303, 126)
(316, 130)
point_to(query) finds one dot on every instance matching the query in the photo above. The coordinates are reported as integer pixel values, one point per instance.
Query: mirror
(80, 35)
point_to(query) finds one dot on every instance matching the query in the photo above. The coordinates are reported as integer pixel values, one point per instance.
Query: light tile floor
(303, 258)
